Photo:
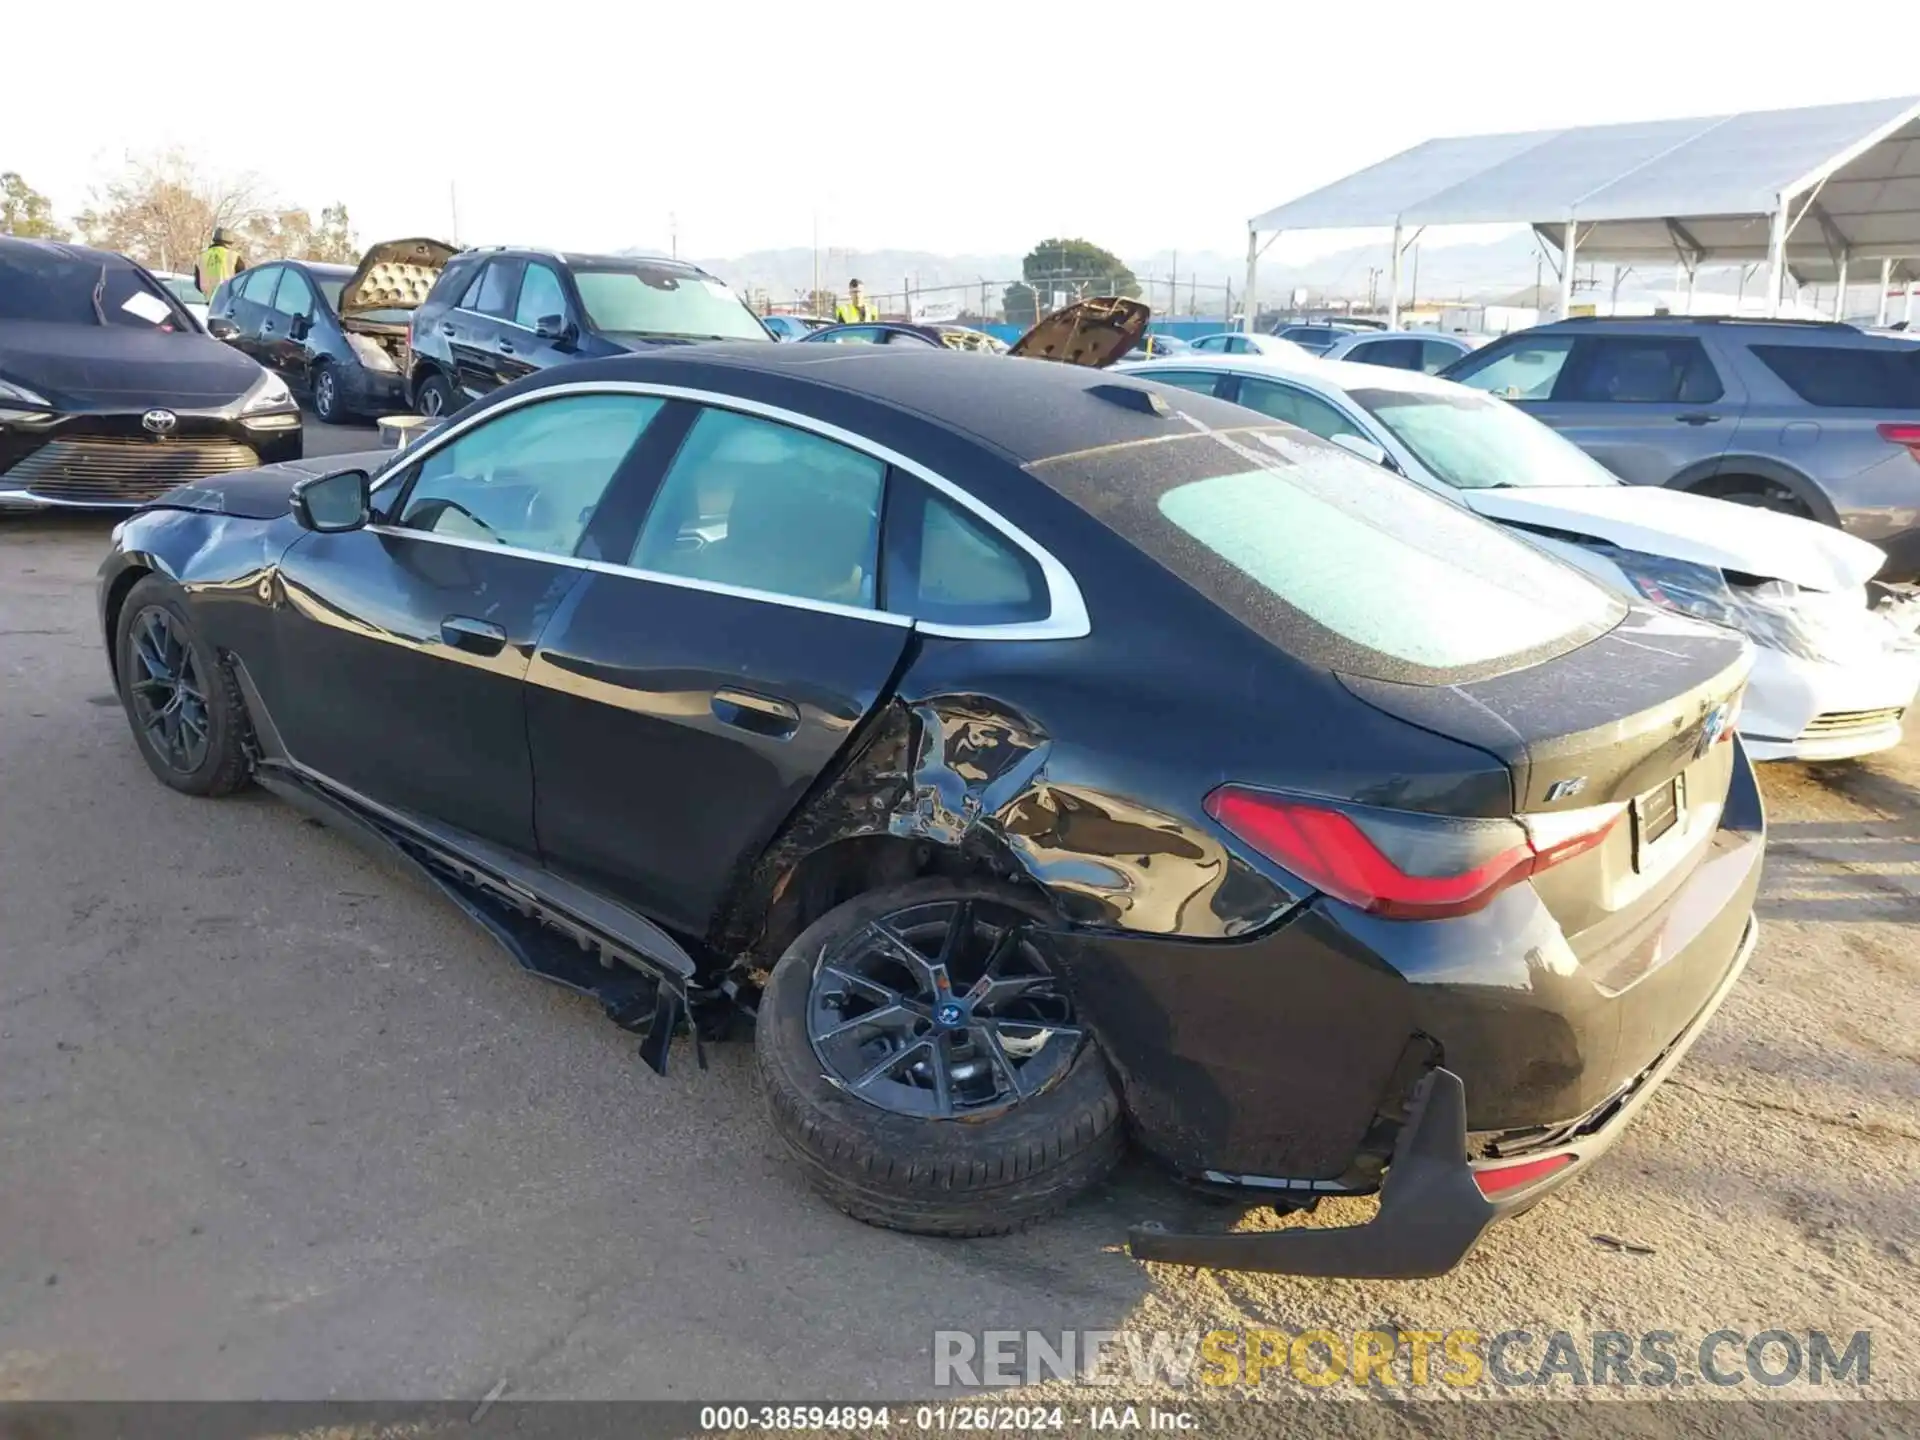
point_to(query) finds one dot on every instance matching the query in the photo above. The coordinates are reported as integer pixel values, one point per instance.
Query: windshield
(1476, 443)
(645, 299)
(71, 289)
(184, 290)
(1338, 562)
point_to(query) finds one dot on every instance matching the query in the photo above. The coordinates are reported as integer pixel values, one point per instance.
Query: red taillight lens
(1398, 864)
(1907, 435)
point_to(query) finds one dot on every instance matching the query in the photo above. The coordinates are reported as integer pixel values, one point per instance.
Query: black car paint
(1256, 1029)
(297, 345)
(100, 380)
(479, 352)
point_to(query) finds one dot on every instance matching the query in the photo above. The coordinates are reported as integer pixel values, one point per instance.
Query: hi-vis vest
(216, 267)
(848, 313)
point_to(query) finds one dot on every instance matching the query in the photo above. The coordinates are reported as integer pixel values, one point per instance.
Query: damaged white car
(1833, 674)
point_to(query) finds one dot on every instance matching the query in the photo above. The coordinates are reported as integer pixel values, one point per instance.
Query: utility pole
(453, 206)
(814, 299)
(673, 235)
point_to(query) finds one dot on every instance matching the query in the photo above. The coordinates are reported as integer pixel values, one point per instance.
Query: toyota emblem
(159, 422)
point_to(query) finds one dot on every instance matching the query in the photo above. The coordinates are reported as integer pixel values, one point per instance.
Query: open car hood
(1694, 528)
(394, 275)
(1093, 332)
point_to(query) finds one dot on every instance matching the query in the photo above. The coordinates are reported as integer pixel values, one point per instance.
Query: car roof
(1338, 374)
(65, 250)
(579, 257)
(317, 267)
(1029, 410)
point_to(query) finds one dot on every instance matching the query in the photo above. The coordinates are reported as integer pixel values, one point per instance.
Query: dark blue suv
(497, 314)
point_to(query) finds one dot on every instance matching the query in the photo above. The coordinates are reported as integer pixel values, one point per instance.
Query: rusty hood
(394, 275)
(1094, 332)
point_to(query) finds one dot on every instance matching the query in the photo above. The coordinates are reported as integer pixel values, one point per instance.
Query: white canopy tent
(1817, 193)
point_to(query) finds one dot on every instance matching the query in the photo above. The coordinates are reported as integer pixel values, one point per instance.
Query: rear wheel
(433, 396)
(328, 403)
(184, 707)
(1761, 494)
(924, 1065)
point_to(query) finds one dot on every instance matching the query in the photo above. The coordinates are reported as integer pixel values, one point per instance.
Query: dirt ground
(274, 1121)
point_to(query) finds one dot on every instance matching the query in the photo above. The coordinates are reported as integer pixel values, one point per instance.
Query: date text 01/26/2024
(1016, 1419)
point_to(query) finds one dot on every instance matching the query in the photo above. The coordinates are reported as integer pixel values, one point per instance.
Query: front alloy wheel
(168, 693)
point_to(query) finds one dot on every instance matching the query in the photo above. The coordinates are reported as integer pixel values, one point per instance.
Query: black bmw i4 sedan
(1033, 756)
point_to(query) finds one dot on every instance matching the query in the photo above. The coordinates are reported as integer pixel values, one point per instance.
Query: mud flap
(1431, 1211)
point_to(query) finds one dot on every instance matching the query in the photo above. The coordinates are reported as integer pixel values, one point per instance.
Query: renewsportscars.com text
(1523, 1360)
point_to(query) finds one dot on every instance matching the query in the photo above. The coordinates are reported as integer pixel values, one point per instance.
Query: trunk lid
(1095, 332)
(394, 275)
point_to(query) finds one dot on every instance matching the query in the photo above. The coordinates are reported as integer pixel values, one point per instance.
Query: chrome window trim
(1066, 618)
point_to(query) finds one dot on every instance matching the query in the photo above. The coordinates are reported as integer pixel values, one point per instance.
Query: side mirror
(333, 503)
(221, 328)
(300, 327)
(554, 328)
(1365, 449)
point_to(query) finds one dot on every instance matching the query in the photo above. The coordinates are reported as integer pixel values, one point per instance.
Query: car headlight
(1777, 614)
(368, 352)
(269, 393)
(19, 403)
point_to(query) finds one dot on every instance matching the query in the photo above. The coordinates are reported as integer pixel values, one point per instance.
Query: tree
(162, 210)
(1075, 267)
(292, 235)
(25, 212)
(1021, 305)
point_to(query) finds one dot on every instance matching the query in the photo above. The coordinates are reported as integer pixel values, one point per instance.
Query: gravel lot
(276, 1122)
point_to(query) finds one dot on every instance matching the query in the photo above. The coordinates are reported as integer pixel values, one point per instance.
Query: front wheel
(925, 1067)
(185, 710)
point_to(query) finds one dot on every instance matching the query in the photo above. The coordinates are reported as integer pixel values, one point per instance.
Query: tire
(215, 763)
(1761, 495)
(433, 396)
(328, 403)
(995, 1171)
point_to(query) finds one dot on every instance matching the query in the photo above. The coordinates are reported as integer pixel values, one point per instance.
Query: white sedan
(1236, 342)
(1832, 676)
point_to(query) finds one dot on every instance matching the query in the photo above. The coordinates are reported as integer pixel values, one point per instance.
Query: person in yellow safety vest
(856, 308)
(219, 263)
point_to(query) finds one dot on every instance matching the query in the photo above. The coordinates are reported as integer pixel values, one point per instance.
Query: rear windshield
(1338, 562)
(658, 300)
(1852, 377)
(77, 290)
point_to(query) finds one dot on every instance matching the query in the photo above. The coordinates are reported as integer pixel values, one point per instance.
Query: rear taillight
(1899, 434)
(1403, 865)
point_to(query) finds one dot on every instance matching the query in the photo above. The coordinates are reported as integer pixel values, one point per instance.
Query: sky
(846, 124)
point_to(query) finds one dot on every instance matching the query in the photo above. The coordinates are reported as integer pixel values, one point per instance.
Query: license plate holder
(1656, 814)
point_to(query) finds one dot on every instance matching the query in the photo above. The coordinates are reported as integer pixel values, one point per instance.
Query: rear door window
(1523, 369)
(1201, 382)
(946, 565)
(1436, 355)
(498, 287)
(1336, 561)
(1848, 377)
(1639, 370)
(1396, 354)
(295, 295)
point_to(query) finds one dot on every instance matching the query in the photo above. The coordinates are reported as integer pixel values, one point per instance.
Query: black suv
(497, 314)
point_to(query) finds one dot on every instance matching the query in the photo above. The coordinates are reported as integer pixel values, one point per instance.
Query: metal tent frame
(1809, 192)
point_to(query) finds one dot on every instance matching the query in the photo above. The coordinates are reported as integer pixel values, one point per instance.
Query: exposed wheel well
(116, 601)
(1754, 489)
(837, 872)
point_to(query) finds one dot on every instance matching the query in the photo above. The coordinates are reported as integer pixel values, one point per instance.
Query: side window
(1523, 369)
(470, 297)
(295, 295)
(1239, 345)
(1198, 381)
(497, 288)
(540, 296)
(257, 285)
(1641, 369)
(1211, 342)
(1436, 355)
(946, 565)
(1395, 354)
(1296, 407)
(764, 506)
(1885, 377)
(530, 478)
(853, 335)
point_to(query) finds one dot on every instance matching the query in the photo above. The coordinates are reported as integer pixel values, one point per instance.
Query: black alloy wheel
(941, 1010)
(168, 693)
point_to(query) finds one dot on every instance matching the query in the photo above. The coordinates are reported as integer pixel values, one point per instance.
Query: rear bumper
(1432, 1207)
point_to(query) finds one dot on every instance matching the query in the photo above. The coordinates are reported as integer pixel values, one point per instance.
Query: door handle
(506, 347)
(757, 714)
(1696, 417)
(266, 327)
(477, 637)
(446, 330)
